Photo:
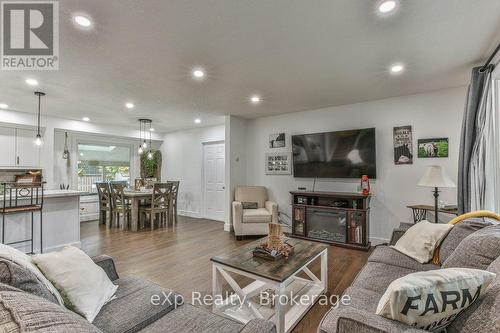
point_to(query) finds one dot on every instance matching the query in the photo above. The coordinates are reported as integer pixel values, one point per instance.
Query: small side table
(420, 211)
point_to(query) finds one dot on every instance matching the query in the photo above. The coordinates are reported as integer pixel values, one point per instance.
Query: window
(98, 163)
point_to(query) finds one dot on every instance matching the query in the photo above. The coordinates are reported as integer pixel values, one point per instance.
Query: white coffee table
(290, 277)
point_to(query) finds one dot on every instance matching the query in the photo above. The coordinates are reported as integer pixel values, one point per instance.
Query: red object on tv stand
(365, 185)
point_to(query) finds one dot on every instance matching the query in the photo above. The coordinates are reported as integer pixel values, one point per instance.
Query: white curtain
(484, 166)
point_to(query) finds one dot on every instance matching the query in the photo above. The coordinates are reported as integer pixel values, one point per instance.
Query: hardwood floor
(178, 258)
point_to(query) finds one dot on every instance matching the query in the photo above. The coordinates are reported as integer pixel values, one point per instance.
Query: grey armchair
(253, 221)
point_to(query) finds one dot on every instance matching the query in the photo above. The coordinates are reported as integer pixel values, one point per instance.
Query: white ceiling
(297, 54)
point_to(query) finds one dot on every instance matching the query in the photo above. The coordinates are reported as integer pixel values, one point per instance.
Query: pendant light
(150, 154)
(145, 127)
(38, 139)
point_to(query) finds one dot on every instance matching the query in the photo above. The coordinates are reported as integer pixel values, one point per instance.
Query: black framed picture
(277, 140)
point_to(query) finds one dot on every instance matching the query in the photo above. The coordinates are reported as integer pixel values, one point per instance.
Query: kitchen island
(61, 223)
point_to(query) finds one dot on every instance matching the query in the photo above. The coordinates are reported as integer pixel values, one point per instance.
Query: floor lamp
(436, 177)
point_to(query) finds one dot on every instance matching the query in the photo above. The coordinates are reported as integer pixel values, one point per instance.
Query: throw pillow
(457, 234)
(420, 241)
(21, 278)
(431, 300)
(23, 312)
(482, 316)
(249, 205)
(478, 250)
(25, 261)
(85, 286)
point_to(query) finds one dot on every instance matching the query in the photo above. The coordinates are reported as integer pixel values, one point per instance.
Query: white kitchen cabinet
(89, 208)
(18, 149)
(7, 147)
(27, 153)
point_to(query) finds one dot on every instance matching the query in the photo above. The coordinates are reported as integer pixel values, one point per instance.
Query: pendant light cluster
(38, 139)
(145, 130)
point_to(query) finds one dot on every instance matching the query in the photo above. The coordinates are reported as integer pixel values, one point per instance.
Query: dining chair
(121, 207)
(173, 200)
(105, 205)
(160, 205)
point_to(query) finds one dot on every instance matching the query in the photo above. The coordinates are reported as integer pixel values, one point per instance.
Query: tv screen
(343, 154)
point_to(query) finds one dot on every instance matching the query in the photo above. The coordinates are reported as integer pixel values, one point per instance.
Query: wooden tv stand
(338, 218)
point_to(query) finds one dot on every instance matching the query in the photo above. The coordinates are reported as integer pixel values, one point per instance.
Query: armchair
(253, 221)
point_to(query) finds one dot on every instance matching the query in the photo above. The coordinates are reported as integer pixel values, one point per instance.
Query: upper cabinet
(27, 153)
(7, 147)
(18, 149)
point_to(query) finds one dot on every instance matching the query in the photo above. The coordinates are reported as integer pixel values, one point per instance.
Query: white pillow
(420, 241)
(25, 261)
(84, 285)
(431, 300)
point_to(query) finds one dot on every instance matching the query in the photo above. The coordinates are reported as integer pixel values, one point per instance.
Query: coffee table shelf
(285, 278)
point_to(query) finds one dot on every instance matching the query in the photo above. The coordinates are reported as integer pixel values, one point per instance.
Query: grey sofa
(473, 243)
(26, 306)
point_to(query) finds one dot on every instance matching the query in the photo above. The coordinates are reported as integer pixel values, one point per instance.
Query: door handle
(17, 160)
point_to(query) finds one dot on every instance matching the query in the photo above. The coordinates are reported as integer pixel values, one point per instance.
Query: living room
(233, 166)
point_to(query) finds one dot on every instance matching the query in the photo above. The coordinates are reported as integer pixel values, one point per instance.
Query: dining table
(135, 197)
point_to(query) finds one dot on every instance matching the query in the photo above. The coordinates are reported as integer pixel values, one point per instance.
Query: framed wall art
(403, 145)
(278, 163)
(277, 140)
(433, 148)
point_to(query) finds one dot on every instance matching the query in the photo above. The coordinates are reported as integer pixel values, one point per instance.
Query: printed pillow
(431, 300)
(249, 205)
(478, 250)
(420, 241)
(83, 284)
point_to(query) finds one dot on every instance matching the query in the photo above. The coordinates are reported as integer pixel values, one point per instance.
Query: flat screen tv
(343, 154)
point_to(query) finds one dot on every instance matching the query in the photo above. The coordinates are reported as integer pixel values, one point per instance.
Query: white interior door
(214, 185)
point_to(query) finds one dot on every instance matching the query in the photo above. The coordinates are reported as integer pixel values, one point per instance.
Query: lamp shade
(435, 176)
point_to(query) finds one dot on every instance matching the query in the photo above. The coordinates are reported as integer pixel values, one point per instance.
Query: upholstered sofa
(253, 221)
(32, 309)
(481, 250)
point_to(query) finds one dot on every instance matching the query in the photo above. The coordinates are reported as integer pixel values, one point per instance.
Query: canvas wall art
(433, 148)
(403, 145)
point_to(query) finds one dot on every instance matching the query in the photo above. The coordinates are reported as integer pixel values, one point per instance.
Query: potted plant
(151, 167)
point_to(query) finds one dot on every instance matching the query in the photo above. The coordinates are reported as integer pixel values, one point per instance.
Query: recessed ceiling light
(86, 119)
(198, 73)
(197, 120)
(255, 99)
(3, 106)
(397, 68)
(152, 129)
(129, 105)
(387, 6)
(82, 21)
(31, 82)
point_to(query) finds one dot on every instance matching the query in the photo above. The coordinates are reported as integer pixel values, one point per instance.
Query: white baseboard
(228, 227)
(89, 217)
(188, 213)
(27, 248)
(378, 240)
(60, 247)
